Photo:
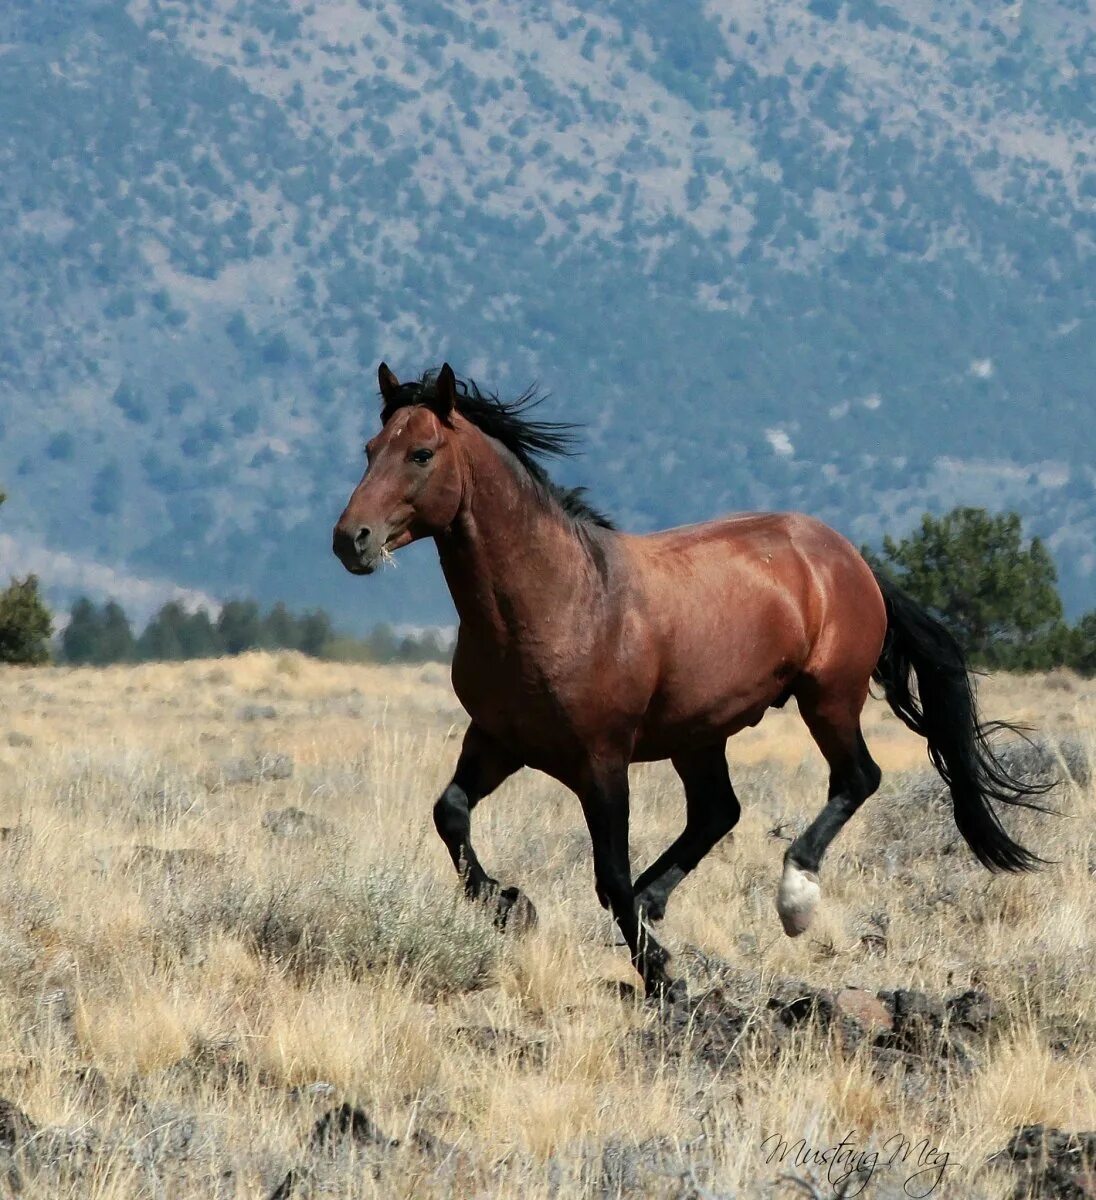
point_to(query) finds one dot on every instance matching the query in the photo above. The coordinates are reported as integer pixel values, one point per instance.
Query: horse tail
(944, 712)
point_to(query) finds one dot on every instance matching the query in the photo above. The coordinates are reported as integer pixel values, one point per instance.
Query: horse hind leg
(834, 723)
(711, 811)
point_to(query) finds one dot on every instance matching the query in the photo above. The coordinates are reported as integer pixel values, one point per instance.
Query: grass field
(191, 977)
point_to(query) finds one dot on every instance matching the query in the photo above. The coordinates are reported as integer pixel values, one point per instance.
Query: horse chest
(519, 700)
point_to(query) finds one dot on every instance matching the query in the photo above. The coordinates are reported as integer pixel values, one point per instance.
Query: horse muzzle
(358, 548)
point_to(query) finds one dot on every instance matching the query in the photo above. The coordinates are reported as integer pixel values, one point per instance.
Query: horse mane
(527, 439)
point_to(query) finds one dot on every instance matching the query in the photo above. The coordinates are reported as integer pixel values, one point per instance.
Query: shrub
(372, 919)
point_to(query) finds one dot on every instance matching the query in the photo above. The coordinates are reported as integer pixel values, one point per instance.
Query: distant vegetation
(25, 622)
(995, 591)
(101, 635)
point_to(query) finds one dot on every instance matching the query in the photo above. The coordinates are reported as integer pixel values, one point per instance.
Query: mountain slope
(833, 257)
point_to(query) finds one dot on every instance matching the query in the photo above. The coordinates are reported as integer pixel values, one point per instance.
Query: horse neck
(514, 564)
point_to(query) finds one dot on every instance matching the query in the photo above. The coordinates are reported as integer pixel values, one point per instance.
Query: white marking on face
(797, 899)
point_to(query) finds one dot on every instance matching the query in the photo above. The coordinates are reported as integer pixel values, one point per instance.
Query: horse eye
(421, 457)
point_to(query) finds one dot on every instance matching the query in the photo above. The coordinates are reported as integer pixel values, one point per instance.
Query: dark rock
(796, 1003)
(712, 1028)
(917, 1020)
(348, 1123)
(15, 1126)
(1050, 1163)
(295, 822)
(71, 1149)
(973, 1011)
(514, 911)
(886, 1059)
(936, 1029)
(855, 1015)
(19, 740)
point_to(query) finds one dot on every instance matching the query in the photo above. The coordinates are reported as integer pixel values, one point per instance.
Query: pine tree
(998, 595)
(163, 638)
(25, 623)
(1082, 651)
(200, 637)
(80, 640)
(116, 641)
(314, 633)
(239, 626)
(279, 631)
(382, 643)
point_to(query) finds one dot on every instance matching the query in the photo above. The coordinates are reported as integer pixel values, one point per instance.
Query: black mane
(527, 440)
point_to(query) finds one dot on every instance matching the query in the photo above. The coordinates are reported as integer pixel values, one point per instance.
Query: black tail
(944, 712)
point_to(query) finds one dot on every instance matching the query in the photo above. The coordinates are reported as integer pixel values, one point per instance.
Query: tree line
(100, 635)
(996, 590)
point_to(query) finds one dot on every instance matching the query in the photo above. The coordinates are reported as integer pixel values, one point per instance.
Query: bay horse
(582, 649)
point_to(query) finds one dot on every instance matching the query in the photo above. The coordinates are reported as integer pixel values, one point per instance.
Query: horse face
(411, 489)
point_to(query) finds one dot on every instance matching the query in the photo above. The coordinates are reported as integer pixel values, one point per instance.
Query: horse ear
(389, 384)
(445, 392)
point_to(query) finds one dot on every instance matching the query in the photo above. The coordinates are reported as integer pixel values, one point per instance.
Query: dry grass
(167, 1019)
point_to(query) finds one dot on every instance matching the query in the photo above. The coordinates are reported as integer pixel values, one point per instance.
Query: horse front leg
(604, 798)
(482, 766)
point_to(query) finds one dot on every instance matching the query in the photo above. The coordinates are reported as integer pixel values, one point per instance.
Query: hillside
(833, 256)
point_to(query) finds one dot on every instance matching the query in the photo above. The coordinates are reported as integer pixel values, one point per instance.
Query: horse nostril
(342, 543)
(361, 539)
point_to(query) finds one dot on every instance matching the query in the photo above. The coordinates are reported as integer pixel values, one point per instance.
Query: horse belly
(718, 681)
(672, 727)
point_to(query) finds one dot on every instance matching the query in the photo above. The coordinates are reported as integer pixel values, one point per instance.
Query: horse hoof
(514, 911)
(797, 899)
(650, 908)
(667, 992)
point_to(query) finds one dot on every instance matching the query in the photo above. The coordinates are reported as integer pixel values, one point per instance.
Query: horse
(582, 649)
